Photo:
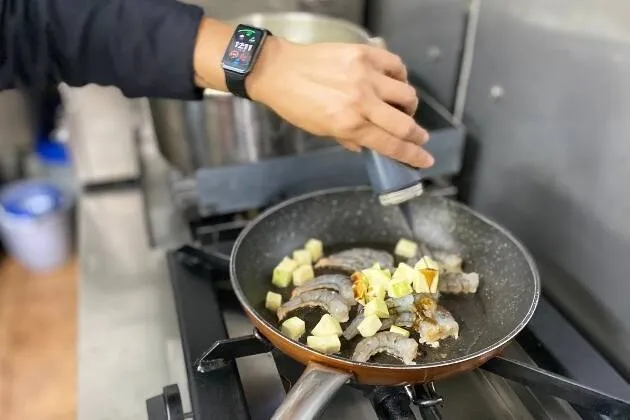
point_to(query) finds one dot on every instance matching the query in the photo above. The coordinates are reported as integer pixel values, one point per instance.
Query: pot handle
(312, 391)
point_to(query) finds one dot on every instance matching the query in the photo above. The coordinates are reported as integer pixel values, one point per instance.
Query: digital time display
(242, 49)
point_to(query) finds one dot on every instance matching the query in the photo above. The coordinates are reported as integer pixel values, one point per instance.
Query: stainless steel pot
(226, 130)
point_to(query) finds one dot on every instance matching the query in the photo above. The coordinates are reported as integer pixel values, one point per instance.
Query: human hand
(347, 91)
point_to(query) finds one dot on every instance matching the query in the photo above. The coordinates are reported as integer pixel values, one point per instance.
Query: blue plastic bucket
(35, 224)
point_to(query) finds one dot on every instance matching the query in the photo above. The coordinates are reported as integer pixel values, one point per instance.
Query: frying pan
(348, 217)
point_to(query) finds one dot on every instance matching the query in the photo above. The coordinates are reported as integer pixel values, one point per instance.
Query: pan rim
(331, 359)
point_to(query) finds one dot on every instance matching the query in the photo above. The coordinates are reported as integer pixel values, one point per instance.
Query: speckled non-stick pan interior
(509, 286)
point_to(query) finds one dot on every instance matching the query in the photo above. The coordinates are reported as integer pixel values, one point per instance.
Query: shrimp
(403, 312)
(459, 283)
(442, 326)
(403, 348)
(336, 282)
(407, 319)
(353, 329)
(356, 259)
(332, 302)
(420, 302)
(448, 262)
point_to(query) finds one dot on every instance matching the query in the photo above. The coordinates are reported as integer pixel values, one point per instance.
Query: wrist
(212, 38)
(260, 80)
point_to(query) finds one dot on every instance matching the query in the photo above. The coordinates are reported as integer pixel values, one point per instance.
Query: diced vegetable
(375, 276)
(377, 307)
(420, 284)
(377, 283)
(293, 328)
(452, 263)
(327, 344)
(303, 274)
(399, 330)
(405, 272)
(429, 276)
(377, 266)
(369, 326)
(360, 286)
(399, 288)
(283, 272)
(273, 301)
(427, 262)
(406, 248)
(327, 325)
(315, 247)
(376, 291)
(302, 257)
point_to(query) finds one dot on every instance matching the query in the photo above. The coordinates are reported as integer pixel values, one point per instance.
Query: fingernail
(430, 160)
(423, 134)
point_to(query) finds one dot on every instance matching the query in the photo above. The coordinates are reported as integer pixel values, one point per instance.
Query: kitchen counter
(128, 339)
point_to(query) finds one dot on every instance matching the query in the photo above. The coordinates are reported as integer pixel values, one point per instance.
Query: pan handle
(312, 391)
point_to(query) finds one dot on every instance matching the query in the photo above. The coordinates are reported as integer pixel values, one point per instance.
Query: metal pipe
(468, 56)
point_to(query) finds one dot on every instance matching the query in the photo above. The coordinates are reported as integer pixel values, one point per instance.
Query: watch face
(242, 49)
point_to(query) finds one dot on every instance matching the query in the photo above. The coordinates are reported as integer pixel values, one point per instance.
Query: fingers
(387, 63)
(384, 143)
(395, 92)
(353, 147)
(395, 122)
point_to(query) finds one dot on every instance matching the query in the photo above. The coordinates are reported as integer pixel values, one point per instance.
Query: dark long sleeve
(144, 47)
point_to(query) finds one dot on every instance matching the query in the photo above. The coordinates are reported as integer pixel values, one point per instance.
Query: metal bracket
(423, 396)
(558, 386)
(224, 351)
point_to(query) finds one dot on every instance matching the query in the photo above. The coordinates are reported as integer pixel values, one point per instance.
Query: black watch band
(236, 83)
(235, 73)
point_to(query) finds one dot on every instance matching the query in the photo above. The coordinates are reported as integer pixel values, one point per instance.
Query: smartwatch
(240, 57)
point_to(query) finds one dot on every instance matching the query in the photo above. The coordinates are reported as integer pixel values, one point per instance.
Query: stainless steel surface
(307, 28)
(549, 97)
(128, 340)
(401, 196)
(428, 35)
(352, 10)
(227, 130)
(311, 392)
(224, 130)
(101, 127)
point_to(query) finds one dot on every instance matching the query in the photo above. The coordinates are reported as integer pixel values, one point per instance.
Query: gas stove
(233, 373)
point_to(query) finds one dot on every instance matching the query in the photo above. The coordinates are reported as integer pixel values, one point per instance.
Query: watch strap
(236, 84)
